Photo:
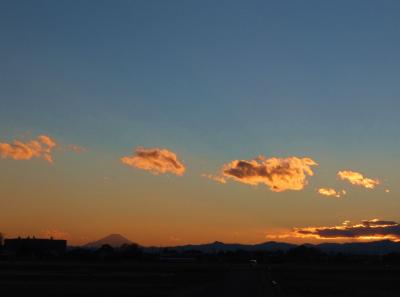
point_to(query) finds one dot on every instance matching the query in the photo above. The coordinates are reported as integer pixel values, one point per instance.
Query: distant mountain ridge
(218, 246)
(373, 247)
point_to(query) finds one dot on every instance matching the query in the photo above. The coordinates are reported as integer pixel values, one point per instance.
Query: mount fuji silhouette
(114, 240)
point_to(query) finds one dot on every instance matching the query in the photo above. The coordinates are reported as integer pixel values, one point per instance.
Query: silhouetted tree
(131, 251)
(305, 253)
(81, 254)
(1, 242)
(106, 251)
(392, 258)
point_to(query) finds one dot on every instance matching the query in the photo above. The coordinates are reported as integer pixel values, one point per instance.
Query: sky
(175, 122)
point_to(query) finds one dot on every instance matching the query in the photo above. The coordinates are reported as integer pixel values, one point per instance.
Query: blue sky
(212, 80)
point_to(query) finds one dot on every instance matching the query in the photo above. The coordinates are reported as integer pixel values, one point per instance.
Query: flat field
(329, 280)
(105, 279)
(152, 279)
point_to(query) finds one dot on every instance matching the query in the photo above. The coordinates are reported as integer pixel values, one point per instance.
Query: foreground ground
(196, 279)
(333, 280)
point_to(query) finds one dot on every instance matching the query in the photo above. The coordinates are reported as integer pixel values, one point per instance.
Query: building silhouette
(35, 247)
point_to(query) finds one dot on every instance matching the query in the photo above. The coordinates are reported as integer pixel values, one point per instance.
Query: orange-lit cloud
(279, 174)
(358, 179)
(37, 148)
(331, 192)
(155, 160)
(374, 229)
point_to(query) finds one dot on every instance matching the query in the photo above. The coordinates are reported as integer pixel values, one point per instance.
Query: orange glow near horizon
(85, 197)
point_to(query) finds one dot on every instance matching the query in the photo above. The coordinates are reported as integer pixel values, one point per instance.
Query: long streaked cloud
(374, 229)
(279, 174)
(41, 147)
(358, 179)
(331, 192)
(155, 160)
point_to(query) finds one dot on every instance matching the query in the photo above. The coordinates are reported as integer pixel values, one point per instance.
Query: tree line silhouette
(134, 252)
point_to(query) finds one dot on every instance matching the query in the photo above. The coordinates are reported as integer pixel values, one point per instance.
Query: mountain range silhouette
(373, 247)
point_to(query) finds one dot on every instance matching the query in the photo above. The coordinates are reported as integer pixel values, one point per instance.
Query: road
(240, 281)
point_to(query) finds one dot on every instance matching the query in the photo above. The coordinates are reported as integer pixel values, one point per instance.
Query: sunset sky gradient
(159, 112)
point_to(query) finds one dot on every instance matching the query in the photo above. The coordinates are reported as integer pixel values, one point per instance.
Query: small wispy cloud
(155, 160)
(174, 238)
(331, 192)
(76, 148)
(358, 179)
(218, 179)
(56, 234)
(279, 174)
(41, 147)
